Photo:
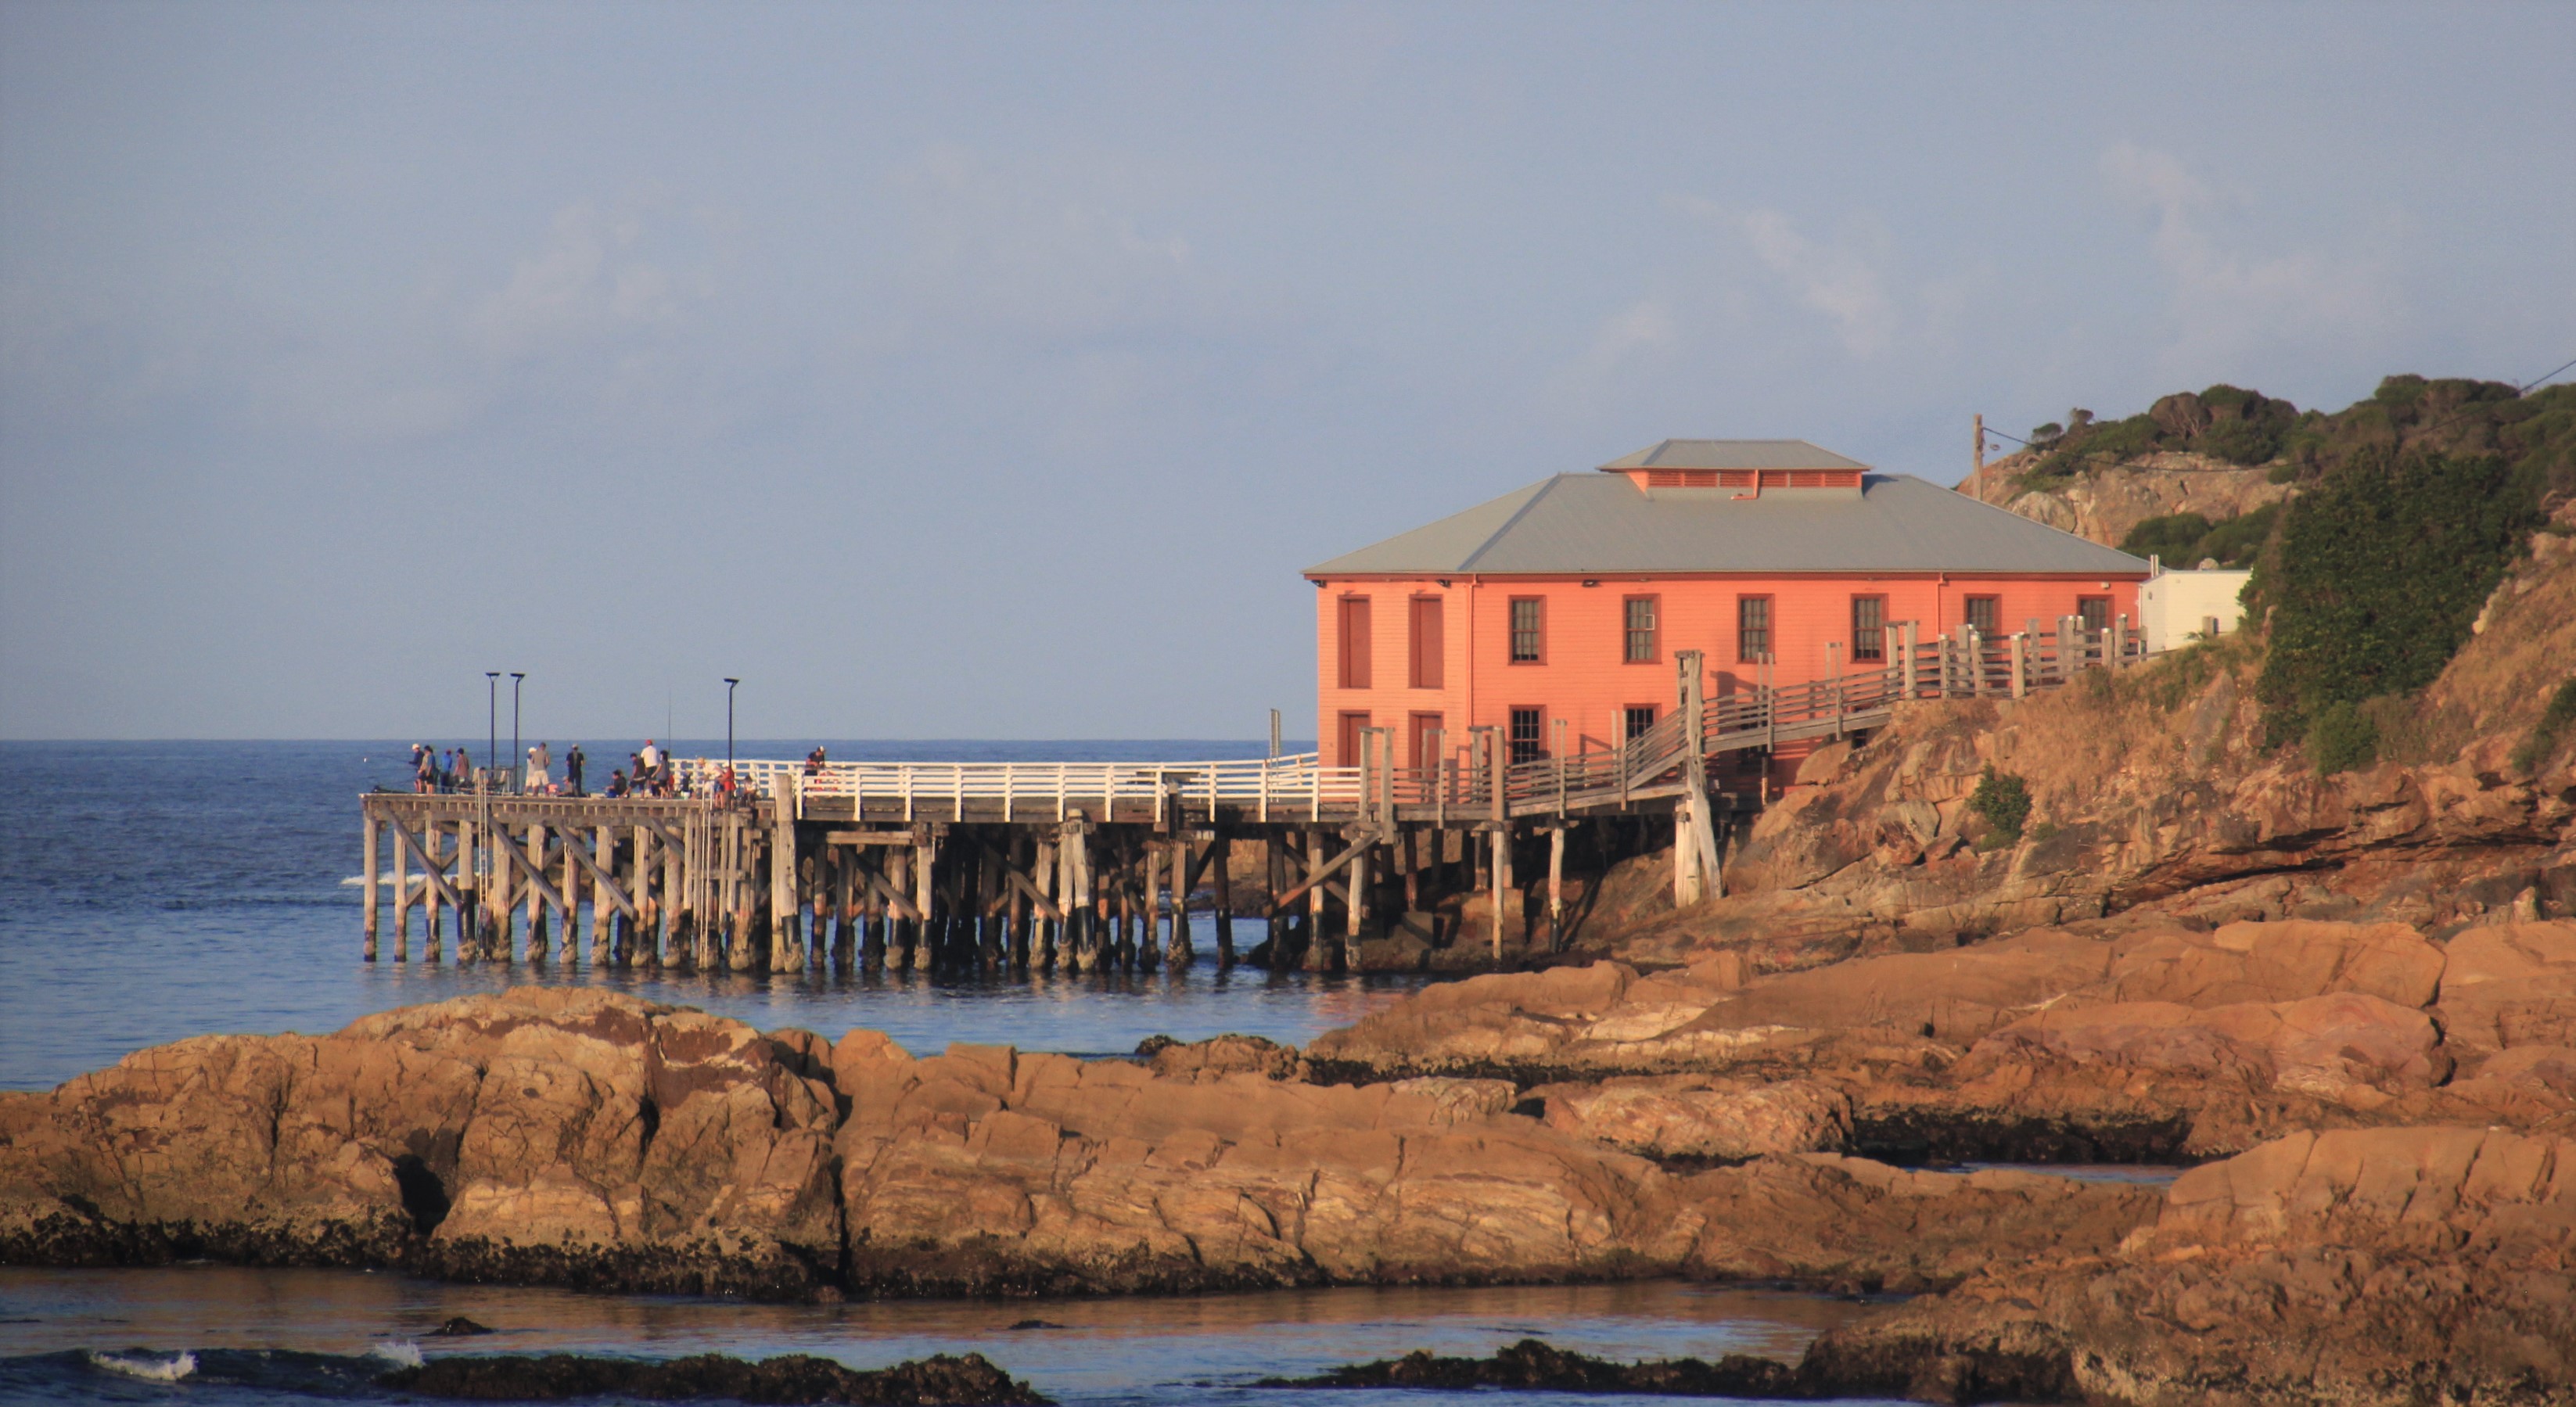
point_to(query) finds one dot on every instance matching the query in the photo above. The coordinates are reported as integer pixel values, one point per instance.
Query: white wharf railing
(1459, 781)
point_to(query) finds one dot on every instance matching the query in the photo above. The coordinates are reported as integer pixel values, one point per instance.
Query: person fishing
(573, 761)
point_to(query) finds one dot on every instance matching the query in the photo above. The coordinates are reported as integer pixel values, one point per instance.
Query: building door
(1422, 736)
(2095, 611)
(1352, 723)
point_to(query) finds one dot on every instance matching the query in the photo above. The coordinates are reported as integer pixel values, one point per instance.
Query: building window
(1640, 618)
(1355, 642)
(1634, 720)
(1529, 632)
(1986, 615)
(1752, 629)
(2096, 611)
(1427, 644)
(1869, 628)
(1526, 723)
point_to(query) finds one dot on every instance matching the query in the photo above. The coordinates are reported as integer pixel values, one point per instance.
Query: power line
(2471, 409)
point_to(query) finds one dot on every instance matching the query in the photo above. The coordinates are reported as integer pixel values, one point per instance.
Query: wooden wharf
(1083, 866)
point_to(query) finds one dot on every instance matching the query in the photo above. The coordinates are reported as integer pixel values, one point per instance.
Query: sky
(992, 371)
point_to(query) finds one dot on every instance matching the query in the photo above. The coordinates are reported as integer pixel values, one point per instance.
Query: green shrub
(2004, 801)
(2542, 743)
(2282, 474)
(2239, 540)
(2376, 574)
(2171, 537)
(2239, 441)
(2183, 539)
(2342, 738)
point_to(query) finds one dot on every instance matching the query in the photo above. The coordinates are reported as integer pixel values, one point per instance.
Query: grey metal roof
(1733, 454)
(1578, 523)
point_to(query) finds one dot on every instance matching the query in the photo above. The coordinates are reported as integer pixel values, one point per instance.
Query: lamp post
(729, 685)
(518, 768)
(491, 718)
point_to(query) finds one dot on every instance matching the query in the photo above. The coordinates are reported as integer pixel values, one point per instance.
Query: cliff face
(2107, 504)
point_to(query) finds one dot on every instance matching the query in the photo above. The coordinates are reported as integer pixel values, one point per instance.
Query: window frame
(1537, 743)
(1769, 628)
(1994, 627)
(1654, 632)
(1512, 630)
(1879, 654)
(2108, 601)
(1628, 729)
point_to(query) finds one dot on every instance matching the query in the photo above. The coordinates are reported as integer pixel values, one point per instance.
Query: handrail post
(1909, 659)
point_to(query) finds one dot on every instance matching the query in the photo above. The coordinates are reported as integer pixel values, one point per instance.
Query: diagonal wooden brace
(607, 883)
(432, 870)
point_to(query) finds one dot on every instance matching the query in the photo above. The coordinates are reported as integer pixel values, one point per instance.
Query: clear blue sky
(992, 370)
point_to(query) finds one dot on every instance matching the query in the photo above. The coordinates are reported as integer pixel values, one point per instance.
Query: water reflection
(1121, 1350)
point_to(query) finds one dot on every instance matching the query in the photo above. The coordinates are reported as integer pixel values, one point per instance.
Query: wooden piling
(469, 889)
(1358, 908)
(431, 907)
(374, 844)
(783, 944)
(1222, 857)
(1556, 888)
(538, 938)
(925, 852)
(1317, 960)
(1180, 952)
(1153, 905)
(402, 895)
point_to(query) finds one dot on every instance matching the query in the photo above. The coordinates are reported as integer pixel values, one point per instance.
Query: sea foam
(151, 1367)
(402, 1353)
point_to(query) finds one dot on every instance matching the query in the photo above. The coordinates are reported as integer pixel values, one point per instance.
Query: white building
(2177, 608)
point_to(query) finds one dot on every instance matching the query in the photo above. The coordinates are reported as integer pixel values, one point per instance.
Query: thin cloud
(1845, 284)
(2227, 303)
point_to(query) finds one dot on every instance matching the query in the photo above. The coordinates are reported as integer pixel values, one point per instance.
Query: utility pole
(1979, 476)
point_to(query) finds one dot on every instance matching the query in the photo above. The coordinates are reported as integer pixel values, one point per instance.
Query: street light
(518, 768)
(729, 683)
(491, 718)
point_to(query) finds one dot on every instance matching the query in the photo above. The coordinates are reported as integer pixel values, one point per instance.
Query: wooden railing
(1476, 781)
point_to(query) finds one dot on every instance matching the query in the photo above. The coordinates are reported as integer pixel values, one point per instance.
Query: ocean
(153, 891)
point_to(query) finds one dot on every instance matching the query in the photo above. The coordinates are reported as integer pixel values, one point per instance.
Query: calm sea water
(151, 891)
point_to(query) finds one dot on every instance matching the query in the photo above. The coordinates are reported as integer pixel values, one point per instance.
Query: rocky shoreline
(2388, 1210)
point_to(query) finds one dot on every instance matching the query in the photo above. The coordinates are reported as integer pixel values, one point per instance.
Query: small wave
(402, 1353)
(151, 1367)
